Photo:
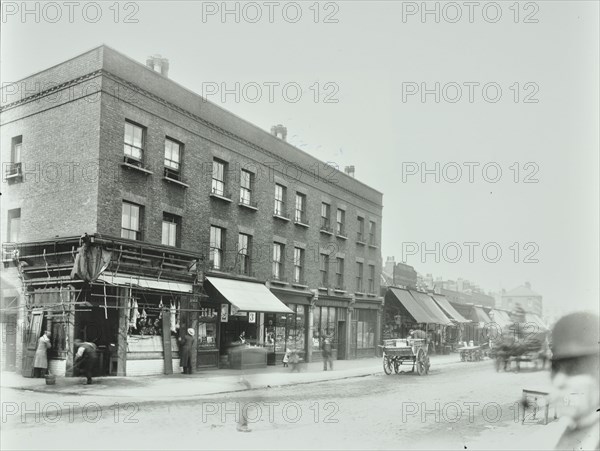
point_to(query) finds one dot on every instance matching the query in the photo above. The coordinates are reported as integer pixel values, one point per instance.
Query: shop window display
(324, 322)
(283, 332)
(146, 312)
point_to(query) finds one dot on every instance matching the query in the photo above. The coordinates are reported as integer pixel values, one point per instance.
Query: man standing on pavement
(86, 357)
(326, 349)
(575, 380)
(40, 363)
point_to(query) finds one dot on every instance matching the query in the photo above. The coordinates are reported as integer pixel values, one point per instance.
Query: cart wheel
(397, 366)
(387, 365)
(421, 363)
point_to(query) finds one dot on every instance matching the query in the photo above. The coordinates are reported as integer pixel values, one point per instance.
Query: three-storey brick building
(194, 218)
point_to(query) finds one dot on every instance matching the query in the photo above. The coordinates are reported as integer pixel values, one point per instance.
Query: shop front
(408, 309)
(252, 316)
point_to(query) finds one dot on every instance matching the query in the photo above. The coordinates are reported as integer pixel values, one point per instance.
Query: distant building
(525, 296)
(398, 274)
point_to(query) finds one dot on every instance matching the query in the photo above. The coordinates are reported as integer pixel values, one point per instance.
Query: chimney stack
(528, 285)
(349, 170)
(158, 64)
(280, 131)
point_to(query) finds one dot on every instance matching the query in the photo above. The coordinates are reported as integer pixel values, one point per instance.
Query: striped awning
(448, 309)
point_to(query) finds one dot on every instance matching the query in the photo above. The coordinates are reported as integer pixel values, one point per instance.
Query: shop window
(171, 227)
(324, 323)
(131, 220)
(365, 328)
(134, 143)
(217, 239)
(207, 328)
(283, 332)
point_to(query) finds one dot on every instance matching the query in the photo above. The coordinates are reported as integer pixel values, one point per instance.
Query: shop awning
(142, 282)
(481, 316)
(532, 318)
(412, 306)
(248, 296)
(432, 308)
(501, 318)
(450, 311)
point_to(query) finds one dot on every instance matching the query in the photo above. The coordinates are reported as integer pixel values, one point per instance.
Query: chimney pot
(158, 64)
(349, 170)
(280, 131)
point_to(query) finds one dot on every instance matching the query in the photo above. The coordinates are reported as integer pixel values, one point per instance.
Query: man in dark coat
(327, 351)
(86, 357)
(185, 353)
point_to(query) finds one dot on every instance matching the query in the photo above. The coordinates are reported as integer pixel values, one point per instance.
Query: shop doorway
(341, 354)
(34, 332)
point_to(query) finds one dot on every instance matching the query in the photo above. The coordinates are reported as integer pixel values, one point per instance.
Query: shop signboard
(224, 313)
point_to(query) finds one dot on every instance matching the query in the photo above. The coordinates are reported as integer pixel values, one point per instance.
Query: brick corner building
(134, 209)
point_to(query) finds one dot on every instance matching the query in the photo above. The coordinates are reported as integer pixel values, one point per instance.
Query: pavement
(105, 391)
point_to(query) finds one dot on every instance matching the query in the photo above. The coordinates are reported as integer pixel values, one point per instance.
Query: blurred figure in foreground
(575, 380)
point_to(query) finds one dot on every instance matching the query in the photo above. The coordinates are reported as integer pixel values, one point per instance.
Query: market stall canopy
(532, 318)
(142, 282)
(480, 315)
(248, 296)
(432, 308)
(501, 318)
(447, 307)
(412, 306)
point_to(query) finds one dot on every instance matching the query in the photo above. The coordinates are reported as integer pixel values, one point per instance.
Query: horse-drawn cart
(398, 352)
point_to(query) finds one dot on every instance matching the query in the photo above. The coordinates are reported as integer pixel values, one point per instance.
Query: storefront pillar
(123, 296)
(70, 333)
(309, 327)
(378, 330)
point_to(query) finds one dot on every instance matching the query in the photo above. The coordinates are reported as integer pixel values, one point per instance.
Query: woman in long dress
(40, 363)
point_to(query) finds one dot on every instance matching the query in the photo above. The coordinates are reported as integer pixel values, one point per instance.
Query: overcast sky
(370, 58)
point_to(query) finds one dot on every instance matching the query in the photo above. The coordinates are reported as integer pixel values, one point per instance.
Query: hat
(191, 331)
(575, 335)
